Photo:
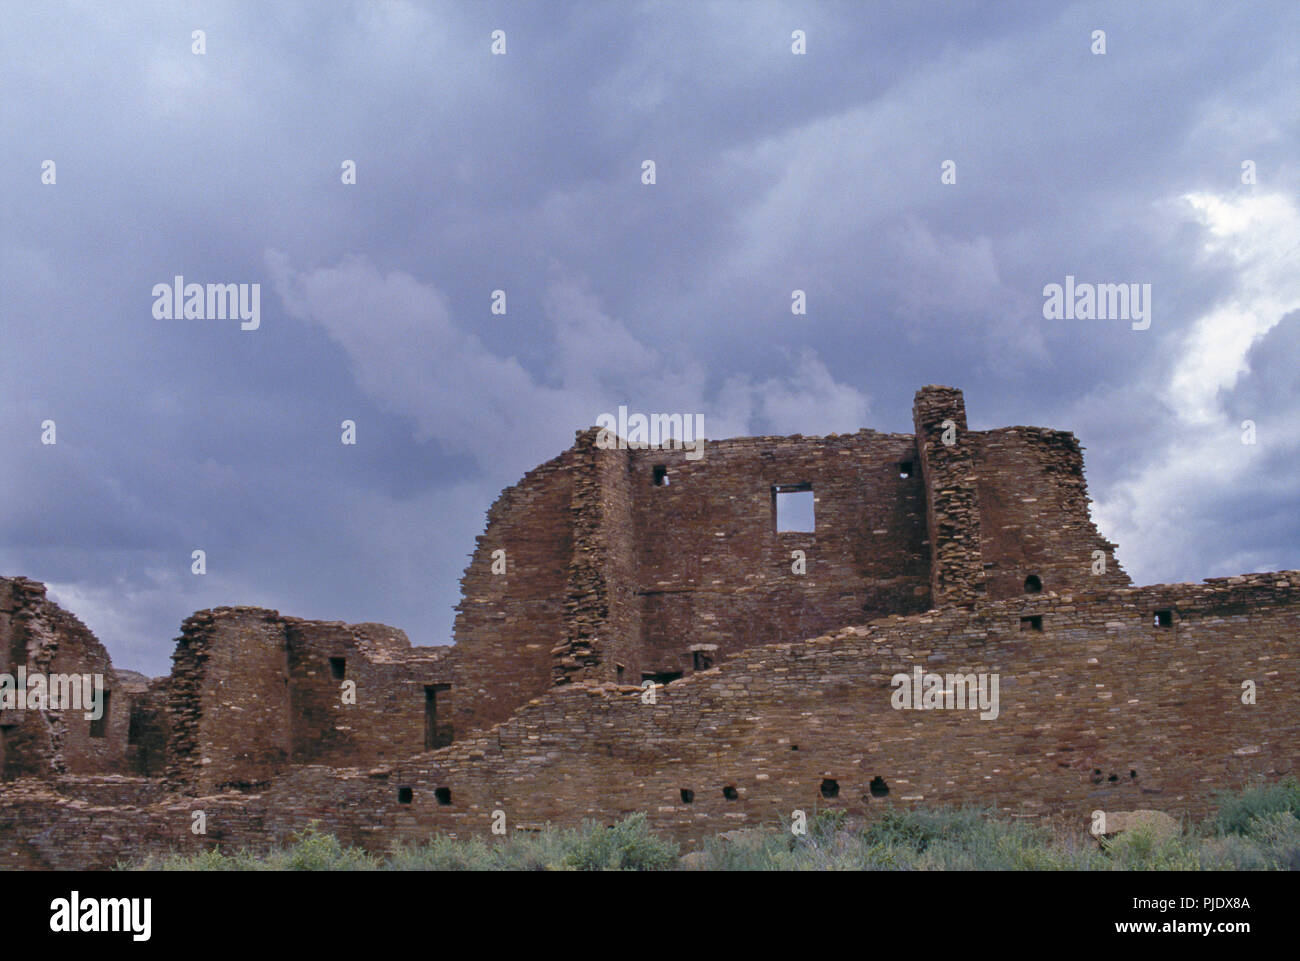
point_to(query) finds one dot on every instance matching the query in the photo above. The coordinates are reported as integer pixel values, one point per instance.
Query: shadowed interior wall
(388, 711)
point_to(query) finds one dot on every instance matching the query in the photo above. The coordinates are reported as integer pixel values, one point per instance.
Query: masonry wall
(585, 628)
(404, 696)
(508, 625)
(715, 572)
(920, 556)
(37, 634)
(622, 635)
(253, 692)
(1100, 710)
(624, 564)
(229, 701)
(947, 456)
(1034, 517)
(148, 729)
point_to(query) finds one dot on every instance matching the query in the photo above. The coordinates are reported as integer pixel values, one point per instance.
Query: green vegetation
(1254, 829)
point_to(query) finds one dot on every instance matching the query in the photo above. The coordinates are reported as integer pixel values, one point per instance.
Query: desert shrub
(626, 846)
(210, 860)
(313, 851)
(1239, 809)
(1277, 837)
(1254, 829)
(540, 851)
(309, 850)
(919, 828)
(1142, 850)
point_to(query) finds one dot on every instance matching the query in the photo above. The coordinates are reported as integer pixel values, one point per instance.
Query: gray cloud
(521, 172)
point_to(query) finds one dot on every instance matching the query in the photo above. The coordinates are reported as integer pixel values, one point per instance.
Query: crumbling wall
(1034, 519)
(38, 635)
(229, 701)
(661, 563)
(621, 564)
(253, 692)
(508, 625)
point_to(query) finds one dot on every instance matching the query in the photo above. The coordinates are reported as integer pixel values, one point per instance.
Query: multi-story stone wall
(715, 575)
(669, 561)
(359, 693)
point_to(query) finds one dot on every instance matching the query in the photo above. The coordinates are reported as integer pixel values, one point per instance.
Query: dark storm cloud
(521, 172)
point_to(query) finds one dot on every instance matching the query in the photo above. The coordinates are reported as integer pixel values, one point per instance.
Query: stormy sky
(522, 172)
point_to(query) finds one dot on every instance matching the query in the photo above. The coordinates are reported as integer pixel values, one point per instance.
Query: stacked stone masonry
(954, 551)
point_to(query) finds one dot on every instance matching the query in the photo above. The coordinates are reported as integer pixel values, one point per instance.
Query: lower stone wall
(1110, 705)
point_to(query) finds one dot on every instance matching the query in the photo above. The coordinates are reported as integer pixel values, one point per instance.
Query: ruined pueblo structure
(637, 632)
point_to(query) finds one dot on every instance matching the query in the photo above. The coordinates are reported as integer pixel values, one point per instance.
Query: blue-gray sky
(523, 172)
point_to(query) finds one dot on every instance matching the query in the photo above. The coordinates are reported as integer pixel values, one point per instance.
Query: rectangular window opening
(660, 475)
(905, 469)
(435, 735)
(793, 508)
(1163, 618)
(1034, 623)
(99, 726)
(338, 667)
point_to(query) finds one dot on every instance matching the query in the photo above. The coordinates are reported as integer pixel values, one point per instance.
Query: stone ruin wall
(1034, 514)
(714, 570)
(611, 577)
(253, 692)
(1101, 709)
(507, 625)
(661, 577)
(39, 634)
